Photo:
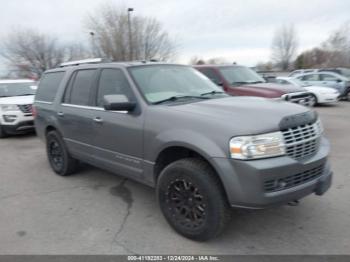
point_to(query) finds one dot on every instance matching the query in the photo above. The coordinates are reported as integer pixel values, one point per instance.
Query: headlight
(259, 146)
(6, 108)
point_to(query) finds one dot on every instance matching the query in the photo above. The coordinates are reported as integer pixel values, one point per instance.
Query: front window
(237, 75)
(17, 89)
(161, 82)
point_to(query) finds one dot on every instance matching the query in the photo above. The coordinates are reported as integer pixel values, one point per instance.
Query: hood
(17, 100)
(283, 89)
(245, 115)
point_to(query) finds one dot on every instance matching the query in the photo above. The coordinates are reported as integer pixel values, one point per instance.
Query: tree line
(113, 35)
(333, 52)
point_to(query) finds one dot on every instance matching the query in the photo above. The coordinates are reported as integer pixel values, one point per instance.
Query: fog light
(9, 118)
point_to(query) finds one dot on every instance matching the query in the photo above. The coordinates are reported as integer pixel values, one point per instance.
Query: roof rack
(84, 61)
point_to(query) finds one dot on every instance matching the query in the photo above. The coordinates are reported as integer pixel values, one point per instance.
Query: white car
(320, 94)
(16, 100)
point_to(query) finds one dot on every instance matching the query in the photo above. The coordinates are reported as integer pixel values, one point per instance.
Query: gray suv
(168, 126)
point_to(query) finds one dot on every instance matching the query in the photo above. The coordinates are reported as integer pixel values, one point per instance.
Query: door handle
(60, 114)
(98, 119)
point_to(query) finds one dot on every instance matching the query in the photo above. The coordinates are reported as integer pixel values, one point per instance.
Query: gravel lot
(95, 212)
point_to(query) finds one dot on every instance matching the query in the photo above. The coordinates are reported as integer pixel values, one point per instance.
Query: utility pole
(130, 35)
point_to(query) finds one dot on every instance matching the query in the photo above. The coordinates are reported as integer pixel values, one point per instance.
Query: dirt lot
(95, 212)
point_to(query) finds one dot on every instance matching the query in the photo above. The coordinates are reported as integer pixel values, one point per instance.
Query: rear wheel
(313, 100)
(59, 158)
(192, 199)
(347, 96)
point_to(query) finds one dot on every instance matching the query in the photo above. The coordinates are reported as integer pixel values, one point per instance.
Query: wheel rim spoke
(186, 203)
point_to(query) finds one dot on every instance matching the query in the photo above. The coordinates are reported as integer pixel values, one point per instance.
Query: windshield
(240, 75)
(161, 82)
(17, 89)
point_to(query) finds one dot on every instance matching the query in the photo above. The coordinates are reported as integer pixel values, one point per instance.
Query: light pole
(130, 36)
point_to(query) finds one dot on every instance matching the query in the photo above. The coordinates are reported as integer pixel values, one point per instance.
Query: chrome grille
(302, 141)
(278, 184)
(27, 109)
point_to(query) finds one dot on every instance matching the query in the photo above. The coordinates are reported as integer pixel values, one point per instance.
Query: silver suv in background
(328, 79)
(16, 99)
(170, 127)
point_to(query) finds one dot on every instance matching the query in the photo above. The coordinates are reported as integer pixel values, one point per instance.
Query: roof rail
(84, 61)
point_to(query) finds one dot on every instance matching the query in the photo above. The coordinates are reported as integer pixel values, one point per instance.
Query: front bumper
(245, 181)
(19, 128)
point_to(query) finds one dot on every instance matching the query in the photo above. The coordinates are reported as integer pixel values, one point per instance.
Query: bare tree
(338, 47)
(110, 36)
(284, 46)
(29, 53)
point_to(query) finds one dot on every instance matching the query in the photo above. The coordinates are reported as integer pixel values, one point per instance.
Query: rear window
(48, 86)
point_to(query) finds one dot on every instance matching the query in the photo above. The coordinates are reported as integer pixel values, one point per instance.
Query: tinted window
(210, 73)
(81, 88)
(313, 77)
(112, 82)
(48, 86)
(326, 77)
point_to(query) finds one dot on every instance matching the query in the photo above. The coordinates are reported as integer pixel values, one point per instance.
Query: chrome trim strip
(43, 102)
(92, 108)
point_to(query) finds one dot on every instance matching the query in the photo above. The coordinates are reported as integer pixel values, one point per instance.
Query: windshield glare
(159, 82)
(17, 89)
(240, 75)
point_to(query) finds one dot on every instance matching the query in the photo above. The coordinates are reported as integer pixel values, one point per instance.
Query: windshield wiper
(214, 92)
(175, 98)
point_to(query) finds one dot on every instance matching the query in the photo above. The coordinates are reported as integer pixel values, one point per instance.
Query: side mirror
(220, 83)
(339, 80)
(118, 103)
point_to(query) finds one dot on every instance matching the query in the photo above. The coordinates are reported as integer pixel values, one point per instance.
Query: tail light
(34, 111)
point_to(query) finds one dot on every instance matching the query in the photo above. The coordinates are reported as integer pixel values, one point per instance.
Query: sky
(239, 31)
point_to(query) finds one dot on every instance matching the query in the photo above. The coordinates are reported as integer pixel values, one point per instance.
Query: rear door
(75, 114)
(118, 136)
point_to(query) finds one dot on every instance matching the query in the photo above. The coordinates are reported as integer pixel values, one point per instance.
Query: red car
(242, 81)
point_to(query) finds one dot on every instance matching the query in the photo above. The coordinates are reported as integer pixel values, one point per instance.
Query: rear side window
(48, 86)
(326, 77)
(79, 90)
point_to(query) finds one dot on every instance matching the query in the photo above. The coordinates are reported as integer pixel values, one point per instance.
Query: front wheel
(59, 158)
(192, 199)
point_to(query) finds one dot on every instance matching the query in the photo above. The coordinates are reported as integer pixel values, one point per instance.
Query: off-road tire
(201, 179)
(59, 158)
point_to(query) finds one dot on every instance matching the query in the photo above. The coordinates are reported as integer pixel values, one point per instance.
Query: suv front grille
(302, 141)
(301, 98)
(27, 109)
(279, 184)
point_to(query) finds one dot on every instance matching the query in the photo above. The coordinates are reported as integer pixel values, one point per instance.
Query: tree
(30, 53)
(338, 46)
(284, 46)
(110, 36)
